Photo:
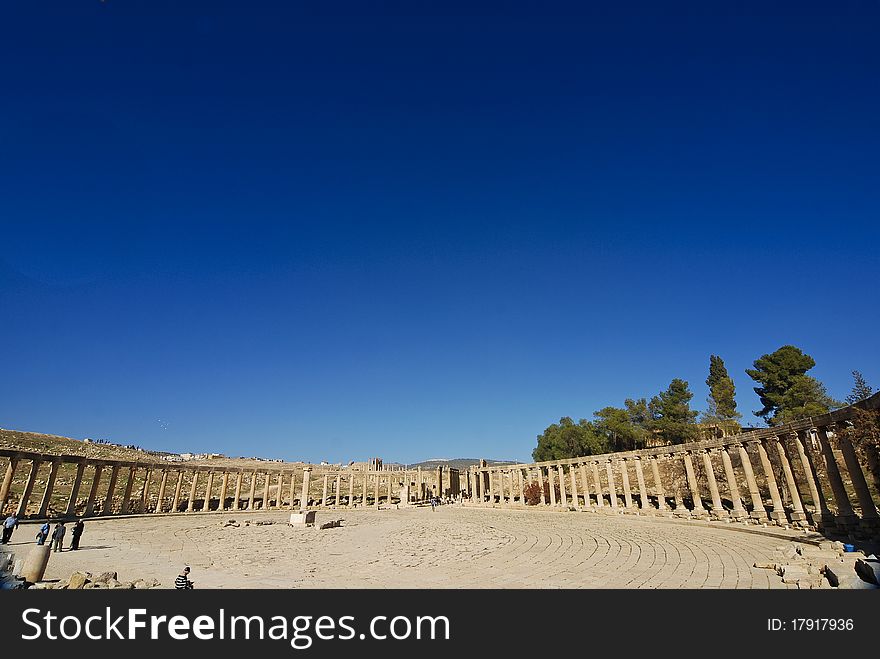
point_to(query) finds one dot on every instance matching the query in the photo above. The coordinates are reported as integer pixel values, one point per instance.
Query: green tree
(860, 389)
(618, 430)
(786, 392)
(721, 402)
(673, 418)
(568, 439)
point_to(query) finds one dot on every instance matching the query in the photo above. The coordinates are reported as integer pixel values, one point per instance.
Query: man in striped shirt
(182, 582)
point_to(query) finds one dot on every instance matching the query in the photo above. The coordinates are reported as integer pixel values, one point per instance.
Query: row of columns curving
(800, 479)
(278, 490)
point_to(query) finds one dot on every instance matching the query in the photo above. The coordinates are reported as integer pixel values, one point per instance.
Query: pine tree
(673, 417)
(722, 401)
(787, 393)
(860, 389)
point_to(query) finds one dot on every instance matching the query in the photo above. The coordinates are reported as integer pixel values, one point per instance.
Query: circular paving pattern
(453, 547)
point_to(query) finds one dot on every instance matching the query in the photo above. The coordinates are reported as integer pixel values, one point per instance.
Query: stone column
(93, 491)
(739, 512)
(778, 512)
(108, 500)
(74, 491)
(600, 500)
(126, 493)
(178, 486)
(797, 509)
(206, 506)
(612, 491)
(376, 478)
(860, 485)
(279, 489)
(658, 485)
(366, 485)
(552, 486)
(574, 486)
(522, 491)
(324, 491)
(624, 474)
(224, 486)
(541, 486)
(440, 488)
(252, 501)
(339, 489)
(160, 503)
(237, 496)
(825, 517)
(717, 509)
(304, 497)
(7, 482)
(491, 487)
(698, 510)
(266, 478)
(145, 490)
(292, 493)
(351, 488)
(418, 485)
(28, 488)
(561, 475)
(391, 486)
(191, 503)
(644, 504)
(758, 510)
(50, 484)
(585, 484)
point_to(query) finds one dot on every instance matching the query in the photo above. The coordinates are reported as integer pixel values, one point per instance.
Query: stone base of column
(739, 513)
(797, 516)
(760, 515)
(778, 516)
(699, 513)
(719, 513)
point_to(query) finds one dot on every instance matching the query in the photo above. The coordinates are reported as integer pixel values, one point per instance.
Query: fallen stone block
(853, 582)
(332, 524)
(765, 565)
(78, 580)
(794, 573)
(105, 578)
(305, 518)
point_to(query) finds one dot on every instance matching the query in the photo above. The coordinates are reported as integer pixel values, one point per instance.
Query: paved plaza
(454, 547)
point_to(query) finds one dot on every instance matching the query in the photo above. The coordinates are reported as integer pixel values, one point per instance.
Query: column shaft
(717, 508)
(643, 491)
(50, 484)
(797, 509)
(624, 474)
(658, 485)
(74, 491)
(108, 500)
(778, 512)
(612, 491)
(160, 502)
(698, 509)
(21, 511)
(738, 510)
(758, 509)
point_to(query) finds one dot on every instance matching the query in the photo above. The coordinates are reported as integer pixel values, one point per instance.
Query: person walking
(58, 536)
(9, 525)
(76, 533)
(182, 582)
(43, 533)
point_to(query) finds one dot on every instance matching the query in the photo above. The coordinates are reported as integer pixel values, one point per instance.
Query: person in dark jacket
(58, 536)
(76, 533)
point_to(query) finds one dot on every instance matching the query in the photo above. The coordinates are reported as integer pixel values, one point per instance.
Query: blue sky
(317, 231)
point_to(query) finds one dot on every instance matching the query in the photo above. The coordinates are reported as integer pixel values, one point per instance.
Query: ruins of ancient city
(788, 506)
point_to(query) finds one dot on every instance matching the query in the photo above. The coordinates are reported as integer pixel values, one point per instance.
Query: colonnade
(119, 487)
(805, 473)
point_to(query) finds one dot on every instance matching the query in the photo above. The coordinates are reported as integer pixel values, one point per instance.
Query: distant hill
(456, 463)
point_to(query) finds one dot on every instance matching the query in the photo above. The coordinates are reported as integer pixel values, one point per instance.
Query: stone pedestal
(304, 518)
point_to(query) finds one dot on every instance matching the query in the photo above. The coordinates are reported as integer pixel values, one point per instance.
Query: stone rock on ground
(78, 580)
(105, 577)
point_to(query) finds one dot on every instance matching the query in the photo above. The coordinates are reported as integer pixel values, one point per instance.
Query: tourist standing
(182, 582)
(58, 536)
(76, 533)
(43, 533)
(9, 525)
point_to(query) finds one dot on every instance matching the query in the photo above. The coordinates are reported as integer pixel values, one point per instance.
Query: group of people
(57, 534)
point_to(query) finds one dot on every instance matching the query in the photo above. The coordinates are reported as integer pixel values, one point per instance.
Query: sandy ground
(454, 547)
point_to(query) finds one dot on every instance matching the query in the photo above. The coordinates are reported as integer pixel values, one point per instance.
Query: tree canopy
(786, 392)
(860, 389)
(568, 439)
(673, 418)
